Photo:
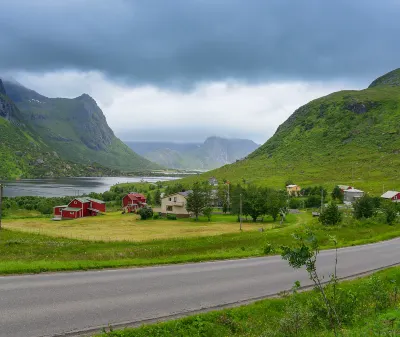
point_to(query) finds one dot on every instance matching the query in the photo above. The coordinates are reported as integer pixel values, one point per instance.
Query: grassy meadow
(115, 226)
(24, 250)
(366, 306)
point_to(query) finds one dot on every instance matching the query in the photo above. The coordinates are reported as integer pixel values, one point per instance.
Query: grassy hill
(76, 129)
(349, 137)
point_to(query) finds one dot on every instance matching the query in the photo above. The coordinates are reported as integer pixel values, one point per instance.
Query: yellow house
(293, 189)
(175, 204)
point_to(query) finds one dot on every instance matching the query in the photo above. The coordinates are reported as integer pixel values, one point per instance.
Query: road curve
(66, 303)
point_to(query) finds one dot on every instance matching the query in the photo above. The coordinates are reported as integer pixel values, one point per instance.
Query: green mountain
(213, 153)
(75, 128)
(23, 154)
(350, 137)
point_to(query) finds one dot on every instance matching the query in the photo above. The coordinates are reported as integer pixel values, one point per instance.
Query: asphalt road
(59, 303)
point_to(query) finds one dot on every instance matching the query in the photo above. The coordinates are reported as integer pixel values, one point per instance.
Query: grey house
(352, 195)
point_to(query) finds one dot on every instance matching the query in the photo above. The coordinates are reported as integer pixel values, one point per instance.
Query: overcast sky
(182, 70)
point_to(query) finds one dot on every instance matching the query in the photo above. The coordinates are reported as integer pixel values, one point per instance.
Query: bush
(364, 207)
(156, 216)
(331, 215)
(294, 203)
(171, 217)
(145, 213)
(313, 201)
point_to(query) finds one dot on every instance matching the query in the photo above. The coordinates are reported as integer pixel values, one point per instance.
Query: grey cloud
(182, 42)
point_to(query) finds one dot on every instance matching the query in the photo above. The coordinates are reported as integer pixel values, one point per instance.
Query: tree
(207, 211)
(331, 215)
(364, 207)
(389, 208)
(276, 203)
(222, 195)
(337, 194)
(145, 213)
(157, 197)
(254, 202)
(149, 199)
(199, 198)
(313, 201)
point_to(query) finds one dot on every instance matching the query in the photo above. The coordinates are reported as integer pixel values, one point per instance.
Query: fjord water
(58, 187)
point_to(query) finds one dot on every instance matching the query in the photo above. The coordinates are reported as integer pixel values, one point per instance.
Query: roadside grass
(115, 226)
(367, 306)
(24, 252)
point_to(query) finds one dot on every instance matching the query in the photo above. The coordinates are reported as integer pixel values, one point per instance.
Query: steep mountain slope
(213, 153)
(348, 137)
(75, 128)
(23, 154)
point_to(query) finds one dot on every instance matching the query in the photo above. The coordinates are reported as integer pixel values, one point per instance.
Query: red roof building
(79, 208)
(133, 201)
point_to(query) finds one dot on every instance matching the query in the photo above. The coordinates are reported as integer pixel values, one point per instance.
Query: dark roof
(185, 193)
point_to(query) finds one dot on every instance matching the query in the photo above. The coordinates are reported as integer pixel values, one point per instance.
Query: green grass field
(115, 226)
(24, 252)
(367, 307)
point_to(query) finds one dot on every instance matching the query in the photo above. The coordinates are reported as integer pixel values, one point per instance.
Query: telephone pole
(322, 199)
(240, 217)
(1, 201)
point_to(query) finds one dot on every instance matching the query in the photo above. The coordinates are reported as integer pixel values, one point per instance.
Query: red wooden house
(80, 207)
(391, 195)
(133, 201)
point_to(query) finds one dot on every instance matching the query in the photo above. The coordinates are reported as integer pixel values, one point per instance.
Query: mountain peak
(392, 79)
(2, 89)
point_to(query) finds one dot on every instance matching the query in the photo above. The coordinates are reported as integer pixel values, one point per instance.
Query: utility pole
(229, 201)
(322, 199)
(1, 201)
(240, 212)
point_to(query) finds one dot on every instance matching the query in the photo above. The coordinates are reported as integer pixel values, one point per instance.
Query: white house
(175, 204)
(352, 195)
(391, 195)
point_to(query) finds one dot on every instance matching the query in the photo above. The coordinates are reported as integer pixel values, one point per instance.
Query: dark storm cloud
(181, 42)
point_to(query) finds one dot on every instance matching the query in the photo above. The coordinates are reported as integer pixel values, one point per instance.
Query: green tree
(276, 203)
(254, 203)
(313, 201)
(364, 207)
(389, 208)
(207, 211)
(337, 194)
(145, 213)
(331, 215)
(149, 199)
(222, 196)
(157, 197)
(199, 198)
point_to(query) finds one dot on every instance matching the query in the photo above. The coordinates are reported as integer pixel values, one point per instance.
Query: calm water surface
(58, 187)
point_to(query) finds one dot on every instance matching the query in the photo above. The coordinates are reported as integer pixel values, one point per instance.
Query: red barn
(133, 201)
(80, 207)
(391, 195)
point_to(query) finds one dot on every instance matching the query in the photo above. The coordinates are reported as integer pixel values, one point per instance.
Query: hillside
(349, 137)
(23, 154)
(75, 128)
(213, 153)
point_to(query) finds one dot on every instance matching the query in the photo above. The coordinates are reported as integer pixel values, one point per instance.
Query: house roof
(184, 194)
(353, 190)
(96, 200)
(60, 206)
(291, 186)
(72, 209)
(344, 187)
(389, 194)
(83, 200)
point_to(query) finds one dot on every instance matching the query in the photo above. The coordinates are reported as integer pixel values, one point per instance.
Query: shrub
(145, 213)
(171, 217)
(331, 215)
(364, 207)
(156, 216)
(294, 203)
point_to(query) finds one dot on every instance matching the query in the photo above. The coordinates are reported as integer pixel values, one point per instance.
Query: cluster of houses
(79, 208)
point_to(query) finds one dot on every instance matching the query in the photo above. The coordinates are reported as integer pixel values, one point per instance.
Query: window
(170, 199)
(174, 199)
(169, 208)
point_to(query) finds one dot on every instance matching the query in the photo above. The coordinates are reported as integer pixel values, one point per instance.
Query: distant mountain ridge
(213, 153)
(75, 128)
(349, 137)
